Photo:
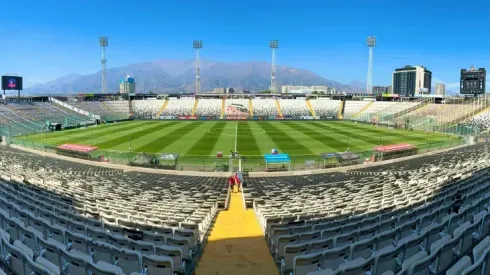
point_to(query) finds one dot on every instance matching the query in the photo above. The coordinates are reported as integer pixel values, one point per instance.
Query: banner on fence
(203, 117)
(192, 117)
(272, 117)
(183, 117)
(167, 117)
(236, 117)
(279, 117)
(307, 117)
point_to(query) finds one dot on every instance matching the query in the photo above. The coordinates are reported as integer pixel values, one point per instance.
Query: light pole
(197, 44)
(371, 43)
(103, 42)
(273, 44)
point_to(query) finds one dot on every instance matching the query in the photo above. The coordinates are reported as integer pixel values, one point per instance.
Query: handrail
(227, 201)
(243, 198)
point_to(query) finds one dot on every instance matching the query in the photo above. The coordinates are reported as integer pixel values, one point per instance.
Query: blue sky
(42, 40)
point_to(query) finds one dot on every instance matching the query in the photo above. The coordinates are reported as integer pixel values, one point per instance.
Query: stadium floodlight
(104, 42)
(273, 44)
(371, 43)
(197, 44)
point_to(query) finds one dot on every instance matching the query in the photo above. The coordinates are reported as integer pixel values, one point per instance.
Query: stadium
(345, 184)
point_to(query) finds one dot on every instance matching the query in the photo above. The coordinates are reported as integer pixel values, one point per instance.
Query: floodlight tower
(273, 44)
(371, 43)
(197, 44)
(104, 42)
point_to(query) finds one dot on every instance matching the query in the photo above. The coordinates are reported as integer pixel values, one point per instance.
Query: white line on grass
(236, 136)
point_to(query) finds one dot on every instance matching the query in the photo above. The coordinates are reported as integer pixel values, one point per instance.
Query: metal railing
(215, 164)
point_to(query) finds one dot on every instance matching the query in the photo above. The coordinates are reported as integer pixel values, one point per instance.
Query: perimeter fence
(228, 163)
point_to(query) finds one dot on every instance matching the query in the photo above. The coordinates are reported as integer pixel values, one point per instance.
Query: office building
(473, 81)
(440, 89)
(412, 81)
(380, 90)
(219, 91)
(127, 86)
(290, 89)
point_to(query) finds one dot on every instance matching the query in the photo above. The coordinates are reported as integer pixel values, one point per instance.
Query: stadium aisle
(236, 245)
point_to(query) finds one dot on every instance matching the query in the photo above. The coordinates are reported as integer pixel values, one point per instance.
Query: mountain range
(178, 76)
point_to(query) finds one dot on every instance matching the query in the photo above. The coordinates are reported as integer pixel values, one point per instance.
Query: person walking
(231, 182)
(237, 181)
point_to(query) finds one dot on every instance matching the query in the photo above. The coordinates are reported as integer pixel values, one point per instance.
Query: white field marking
(236, 135)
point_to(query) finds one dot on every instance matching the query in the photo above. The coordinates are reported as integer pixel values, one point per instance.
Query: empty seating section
(107, 110)
(118, 107)
(31, 117)
(147, 108)
(294, 107)
(399, 107)
(265, 107)
(209, 107)
(442, 113)
(179, 107)
(60, 217)
(377, 106)
(481, 120)
(325, 107)
(392, 219)
(353, 107)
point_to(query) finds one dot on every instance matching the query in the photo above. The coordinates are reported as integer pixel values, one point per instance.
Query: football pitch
(249, 138)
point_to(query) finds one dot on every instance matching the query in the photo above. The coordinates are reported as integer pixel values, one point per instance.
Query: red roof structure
(393, 148)
(77, 148)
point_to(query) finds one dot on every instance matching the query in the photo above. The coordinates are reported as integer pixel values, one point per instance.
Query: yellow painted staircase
(312, 111)
(164, 106)
(194, 109)
(340, 113)
(250, 107)
(223, 108)
(236, 245)
(363, 109)
(279, 111)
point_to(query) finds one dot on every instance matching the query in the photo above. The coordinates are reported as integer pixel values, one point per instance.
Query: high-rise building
(411, 81)
(473, 81)
(440, 89)
(380, 90)
(127, 86)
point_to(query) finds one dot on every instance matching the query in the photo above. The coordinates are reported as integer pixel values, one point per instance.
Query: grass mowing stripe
(204, 146)
(381, 132)
(179, 133)
(283, 140)
(120, 140)
(107, 132)
(246, 139)
(369, 139)
(160, 142)
(329, 141)
(66, 133)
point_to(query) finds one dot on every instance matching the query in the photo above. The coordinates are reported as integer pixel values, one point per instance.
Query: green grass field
(249, 138)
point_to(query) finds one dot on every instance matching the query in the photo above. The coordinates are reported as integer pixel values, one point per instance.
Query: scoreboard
(10, 83)
(473, 81)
